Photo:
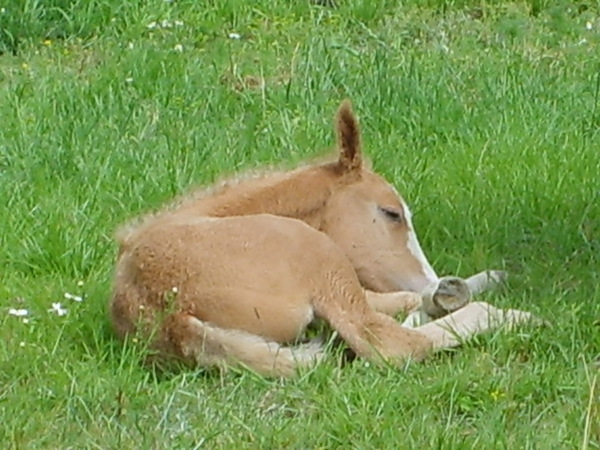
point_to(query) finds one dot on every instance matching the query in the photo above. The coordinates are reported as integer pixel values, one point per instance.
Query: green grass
(486, 115)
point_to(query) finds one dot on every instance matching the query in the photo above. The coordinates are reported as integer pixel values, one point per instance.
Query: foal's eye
(393, 214)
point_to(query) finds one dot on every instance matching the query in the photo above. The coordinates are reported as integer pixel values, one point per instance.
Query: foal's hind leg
(197, 343)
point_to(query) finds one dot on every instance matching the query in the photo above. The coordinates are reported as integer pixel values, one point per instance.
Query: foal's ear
(348, 136)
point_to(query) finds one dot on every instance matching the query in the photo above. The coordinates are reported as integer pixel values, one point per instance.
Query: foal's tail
(201, 344)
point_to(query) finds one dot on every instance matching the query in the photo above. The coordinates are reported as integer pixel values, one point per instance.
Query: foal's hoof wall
(450, 294)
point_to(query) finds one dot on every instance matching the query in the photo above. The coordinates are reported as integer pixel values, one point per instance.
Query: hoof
(446, 296)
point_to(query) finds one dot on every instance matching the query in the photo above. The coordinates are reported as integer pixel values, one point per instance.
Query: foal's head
(369, 220)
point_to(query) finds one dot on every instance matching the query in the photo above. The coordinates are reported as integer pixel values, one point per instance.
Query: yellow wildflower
(496, 395)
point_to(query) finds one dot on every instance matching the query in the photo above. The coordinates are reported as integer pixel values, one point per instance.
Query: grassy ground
(486, 115)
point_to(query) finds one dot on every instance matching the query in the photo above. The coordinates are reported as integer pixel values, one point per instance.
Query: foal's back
(257, 273)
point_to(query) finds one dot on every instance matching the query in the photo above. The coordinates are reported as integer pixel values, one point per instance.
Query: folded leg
(394, 303)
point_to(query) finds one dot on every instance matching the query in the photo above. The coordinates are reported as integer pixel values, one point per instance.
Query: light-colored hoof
(497, 276)
(446, 296)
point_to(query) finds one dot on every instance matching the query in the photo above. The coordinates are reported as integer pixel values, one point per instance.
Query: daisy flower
(58, 309)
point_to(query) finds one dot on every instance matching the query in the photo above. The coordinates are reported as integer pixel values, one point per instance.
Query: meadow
(484, 114)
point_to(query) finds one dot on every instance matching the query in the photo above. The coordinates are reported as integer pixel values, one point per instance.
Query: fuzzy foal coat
(231, 276)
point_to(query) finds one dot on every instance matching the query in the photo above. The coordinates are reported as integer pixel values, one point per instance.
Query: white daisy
(58, 309)
(17, 312)
(76, 298)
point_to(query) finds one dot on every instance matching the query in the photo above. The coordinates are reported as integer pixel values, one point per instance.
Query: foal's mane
(299, 193)
(293, 193)
(243, 182)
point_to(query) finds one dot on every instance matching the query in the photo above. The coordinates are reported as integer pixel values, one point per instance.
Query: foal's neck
(299, 194)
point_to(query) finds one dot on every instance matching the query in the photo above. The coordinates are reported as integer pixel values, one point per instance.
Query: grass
(486, 115)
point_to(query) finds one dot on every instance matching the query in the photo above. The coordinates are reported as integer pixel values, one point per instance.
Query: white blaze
(415, 248)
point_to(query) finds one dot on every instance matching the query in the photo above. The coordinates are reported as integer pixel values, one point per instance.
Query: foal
(230, 276)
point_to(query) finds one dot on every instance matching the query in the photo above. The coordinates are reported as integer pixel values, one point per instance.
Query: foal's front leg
(394, 303)
(475, 318)
(450, 293)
